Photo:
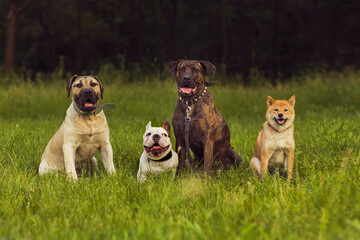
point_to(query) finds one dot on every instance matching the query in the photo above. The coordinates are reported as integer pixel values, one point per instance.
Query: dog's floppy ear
(148, 125)
(269, 101)
(292, 101)
(173, 66)
(69, 83)
(208, 67)
(166, 126)
(101, 86)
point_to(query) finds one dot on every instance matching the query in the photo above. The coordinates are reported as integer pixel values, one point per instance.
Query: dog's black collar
(167, 157)
(187, 102)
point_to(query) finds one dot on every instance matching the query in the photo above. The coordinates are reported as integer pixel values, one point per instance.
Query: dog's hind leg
(255, 164)
(93, 162)
(45, 168)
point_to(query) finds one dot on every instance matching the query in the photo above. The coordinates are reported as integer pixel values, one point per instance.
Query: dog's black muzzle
(87, 100)
(188, 87)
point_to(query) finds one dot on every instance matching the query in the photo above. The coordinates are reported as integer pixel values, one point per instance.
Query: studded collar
(193, 101)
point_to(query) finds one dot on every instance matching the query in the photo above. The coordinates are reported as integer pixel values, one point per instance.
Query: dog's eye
(182, 69)
(79, 85)
(148, 134)
(195, 70)
(285, 110)
(164, 134)
(93, 84)
(276, 109)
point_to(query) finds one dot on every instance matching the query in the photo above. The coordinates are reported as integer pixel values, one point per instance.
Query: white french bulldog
(158, 155)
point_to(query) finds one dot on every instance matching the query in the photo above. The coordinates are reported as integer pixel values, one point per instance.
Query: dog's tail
(235, 158)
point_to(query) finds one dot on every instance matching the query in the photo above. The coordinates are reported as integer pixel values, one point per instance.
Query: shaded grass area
(321, 202)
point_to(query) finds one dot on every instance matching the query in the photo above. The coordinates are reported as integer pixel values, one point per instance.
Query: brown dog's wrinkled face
(190, 75)
(280, 113)
(86, 91)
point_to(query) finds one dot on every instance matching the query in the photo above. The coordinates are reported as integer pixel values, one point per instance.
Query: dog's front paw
(112, 172)
(72, 177)
(141, 177)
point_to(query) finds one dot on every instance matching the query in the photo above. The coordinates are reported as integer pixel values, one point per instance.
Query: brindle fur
(209, 135)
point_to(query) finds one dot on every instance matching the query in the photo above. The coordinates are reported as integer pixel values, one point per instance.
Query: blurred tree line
(277, 38)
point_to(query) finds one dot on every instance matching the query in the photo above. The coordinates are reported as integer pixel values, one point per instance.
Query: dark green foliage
(276, 38)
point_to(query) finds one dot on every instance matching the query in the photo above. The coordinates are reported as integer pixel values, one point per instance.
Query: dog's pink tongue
(186, 90)
(281, 121)
(156, 148)
(88, 104)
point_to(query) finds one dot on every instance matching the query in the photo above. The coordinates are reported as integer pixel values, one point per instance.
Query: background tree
(13, 13)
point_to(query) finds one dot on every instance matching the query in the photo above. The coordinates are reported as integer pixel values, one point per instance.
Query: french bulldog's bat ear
(292, 101)
(208, 67)
(69, 83)
(209, 84)
(269, 101)
(101, 86)
(148, 125)
(167, 127)
(173, 67)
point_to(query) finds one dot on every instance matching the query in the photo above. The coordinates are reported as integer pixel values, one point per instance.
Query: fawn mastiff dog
(82, 133)
(208, 133)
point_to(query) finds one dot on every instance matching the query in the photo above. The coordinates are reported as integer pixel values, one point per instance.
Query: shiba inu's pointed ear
(148, 125)
(292, 101)
(269, 101)
(166, 126)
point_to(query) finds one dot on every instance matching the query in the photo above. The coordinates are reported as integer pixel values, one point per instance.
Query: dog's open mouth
(280, 121)
(187, 90)
(156, 149)
(88, 106)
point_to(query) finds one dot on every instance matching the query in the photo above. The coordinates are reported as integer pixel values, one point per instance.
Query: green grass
(322, 202)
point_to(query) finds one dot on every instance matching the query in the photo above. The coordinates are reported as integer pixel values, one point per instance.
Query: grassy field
(322, 201)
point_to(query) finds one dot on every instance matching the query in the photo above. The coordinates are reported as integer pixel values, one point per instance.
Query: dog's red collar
(272, 127)
(276, 129)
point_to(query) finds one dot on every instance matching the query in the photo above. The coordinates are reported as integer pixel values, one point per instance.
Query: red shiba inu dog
(274, 147)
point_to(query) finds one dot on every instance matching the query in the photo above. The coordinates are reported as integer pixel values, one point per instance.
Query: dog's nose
(280, 115)
(88, 92)
(186, 77)
(156, 137)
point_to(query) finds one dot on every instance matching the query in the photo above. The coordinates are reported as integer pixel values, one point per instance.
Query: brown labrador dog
(209, 135)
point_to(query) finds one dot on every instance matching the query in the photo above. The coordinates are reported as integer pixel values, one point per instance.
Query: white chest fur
(278, 144)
